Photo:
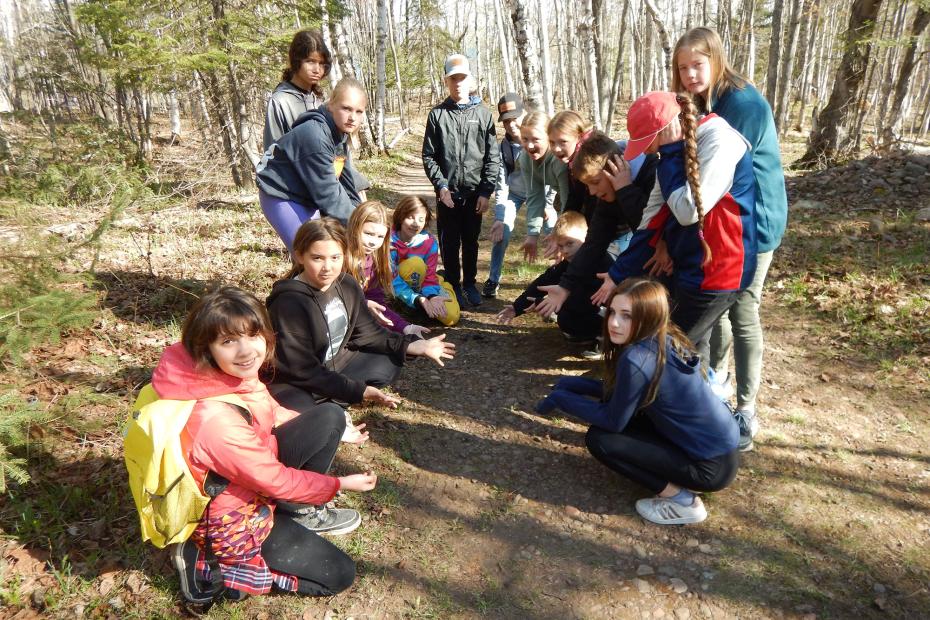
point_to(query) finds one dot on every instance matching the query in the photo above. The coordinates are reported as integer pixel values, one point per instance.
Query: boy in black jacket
(578, 319)
(461, 158)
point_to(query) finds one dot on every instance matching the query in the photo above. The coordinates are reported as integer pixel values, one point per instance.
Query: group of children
(660, 246)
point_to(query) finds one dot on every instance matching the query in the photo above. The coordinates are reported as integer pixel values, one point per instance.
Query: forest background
(128, 134)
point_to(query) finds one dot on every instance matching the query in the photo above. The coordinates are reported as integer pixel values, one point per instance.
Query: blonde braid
(689, 131)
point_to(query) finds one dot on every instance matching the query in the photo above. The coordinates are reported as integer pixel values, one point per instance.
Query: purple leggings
(285, 216)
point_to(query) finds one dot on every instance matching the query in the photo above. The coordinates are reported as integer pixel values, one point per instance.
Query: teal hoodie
(538, 177)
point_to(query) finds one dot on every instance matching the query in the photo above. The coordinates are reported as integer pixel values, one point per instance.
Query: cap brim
(635, 148)
(451, 73)
(509, 114)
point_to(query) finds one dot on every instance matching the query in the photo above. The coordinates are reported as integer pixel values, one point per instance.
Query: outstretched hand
(529, 248)
(497, 232)
(378, 311)
(435, 307)
(600, 297)
(552, 302)
(416, 330)
(374, 395)
(506, 316)
(660, 263)
(358, 482)
(436, 349)
(355, 434)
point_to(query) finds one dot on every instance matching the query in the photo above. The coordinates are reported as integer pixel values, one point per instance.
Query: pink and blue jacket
(728, 195)
(425, 246)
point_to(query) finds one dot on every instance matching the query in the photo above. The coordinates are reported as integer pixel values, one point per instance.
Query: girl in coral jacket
(701, 209)
(270, 454)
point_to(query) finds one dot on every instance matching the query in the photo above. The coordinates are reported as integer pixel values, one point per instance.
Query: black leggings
(642, 455)
(459, 228)
(696, 313)
(377, 369)
(307, 442)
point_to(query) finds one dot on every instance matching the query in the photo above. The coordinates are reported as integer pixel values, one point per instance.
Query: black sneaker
(194, 590)
(332, 521)
(490, 289)
(472, 295)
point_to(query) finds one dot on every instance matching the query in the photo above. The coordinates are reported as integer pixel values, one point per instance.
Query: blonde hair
(568, 121)
(346, 84)
(650, 318)
(370, 211)
(536, 120)
(567, 221)
(688, 118)
(593, 156)
(707, 42)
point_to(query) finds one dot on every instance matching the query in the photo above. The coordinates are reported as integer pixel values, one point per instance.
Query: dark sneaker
(184, 557)
(332, 521)
(490, 289)
(472, 295)
(748, 427)
(460, 296)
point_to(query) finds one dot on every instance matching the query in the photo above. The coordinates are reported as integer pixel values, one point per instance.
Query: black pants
(641, 454)
(375, 369)
(307, 442)
(579, 319)
(459, 229)
(696, 313)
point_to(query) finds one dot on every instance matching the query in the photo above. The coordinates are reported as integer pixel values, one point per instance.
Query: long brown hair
(688, 119)
(304, 43)
(707, 42)
(651, 318)
(371, 211)
(311, 231)
(227, 311)
(406, 206)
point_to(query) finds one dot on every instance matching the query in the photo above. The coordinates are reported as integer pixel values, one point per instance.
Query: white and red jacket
(218, 438)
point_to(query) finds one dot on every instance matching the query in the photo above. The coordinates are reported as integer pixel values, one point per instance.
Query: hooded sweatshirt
(287, 102)
(426, 247)
(218, 438)
(311, 165)
(539, 176)
(460, 150)
(315, 329)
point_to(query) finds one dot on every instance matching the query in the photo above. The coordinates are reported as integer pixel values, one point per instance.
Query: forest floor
(484, 509)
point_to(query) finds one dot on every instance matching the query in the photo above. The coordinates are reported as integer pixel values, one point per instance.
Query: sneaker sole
(177, 557)
(341, 530)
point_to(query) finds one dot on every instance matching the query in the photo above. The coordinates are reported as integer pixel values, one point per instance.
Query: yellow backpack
(169, 500)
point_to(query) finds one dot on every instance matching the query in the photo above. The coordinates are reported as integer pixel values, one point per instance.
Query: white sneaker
(665, 511)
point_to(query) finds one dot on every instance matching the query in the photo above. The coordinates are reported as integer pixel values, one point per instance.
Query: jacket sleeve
(432, 143)
(277, 123)
(719, 150)
(228, 445)
(492, 159)
(296, 353)
(316, 169)
(431, 280)
(535, 195)
(549, 276)
(642, 246)
(502, 194)
(367, 333)
(375, 293)
(612, 416)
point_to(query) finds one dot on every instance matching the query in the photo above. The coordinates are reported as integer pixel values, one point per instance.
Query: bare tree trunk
(224, 122)
(787, 67)
(401, 104)
(634, 45)
(586, 36)
(663, 40)
(807, 44)
(546, 60)
(771, 77)
(381, 78)
(618, 68)
(335, 72)
(560, 44)
(889, 71)
(831, 139)
(526, 50)
(503, 39)
(921, 19)
(174, 116)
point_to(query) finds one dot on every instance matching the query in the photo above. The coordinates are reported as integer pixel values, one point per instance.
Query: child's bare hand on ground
(599, 298)
(378, 310)
(374, 395)
(358, 482)
(436, 349)
(506, 316)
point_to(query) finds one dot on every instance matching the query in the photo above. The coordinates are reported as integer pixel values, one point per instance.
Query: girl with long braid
(701, 210)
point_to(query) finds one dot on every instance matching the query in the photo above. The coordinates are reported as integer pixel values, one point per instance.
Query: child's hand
(551, 248)
(661, 263)
(482, 205)
(355, 435)
(415, 330)
(374, 395)
(378, 310)
(435, 349)
(552, 302)
(599, 298)
(529, 248)
(358, 482)
(618, 172)
(435, 307)
(497, 232)
(671, 133)
(507, 315)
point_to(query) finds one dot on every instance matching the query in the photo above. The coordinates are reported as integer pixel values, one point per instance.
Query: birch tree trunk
(546, 60)
(618, 68)
(921, 19)
(560, 44)
(401, 105)
(771, 77)
(174, 116)
(503, 39)
(831, 139)
(807, 43)
(381, 78)
(335, 72)
(586, 35)
(527, 53)
(663, 40)
(787, 66)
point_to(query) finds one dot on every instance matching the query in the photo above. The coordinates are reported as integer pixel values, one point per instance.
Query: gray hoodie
(286, 103)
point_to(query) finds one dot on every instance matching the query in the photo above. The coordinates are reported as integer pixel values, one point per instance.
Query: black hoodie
(303, 338)
(301, 166)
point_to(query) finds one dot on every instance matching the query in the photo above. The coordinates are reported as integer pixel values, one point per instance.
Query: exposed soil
(484, 508)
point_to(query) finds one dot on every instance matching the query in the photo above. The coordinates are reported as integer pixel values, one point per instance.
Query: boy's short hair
(567, 221)
(593, 156)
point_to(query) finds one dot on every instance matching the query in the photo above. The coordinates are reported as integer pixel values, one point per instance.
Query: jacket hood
(320, 115)
(449, 104)
(177, 377)
(299, 287)
(417, 240)
(290, 88)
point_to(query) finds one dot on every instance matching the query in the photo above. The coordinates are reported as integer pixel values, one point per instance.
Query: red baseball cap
(649, 115)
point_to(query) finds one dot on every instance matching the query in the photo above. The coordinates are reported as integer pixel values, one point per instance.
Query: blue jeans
(500, 248)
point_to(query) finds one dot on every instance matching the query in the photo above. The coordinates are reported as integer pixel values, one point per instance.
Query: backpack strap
(213, 485)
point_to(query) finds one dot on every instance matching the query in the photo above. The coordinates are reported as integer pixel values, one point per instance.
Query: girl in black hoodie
(329, 345)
